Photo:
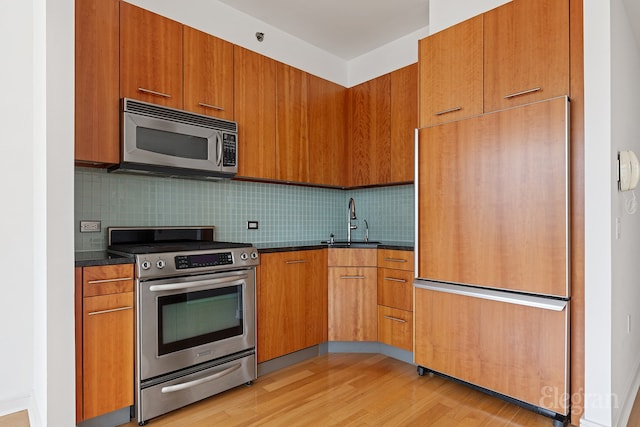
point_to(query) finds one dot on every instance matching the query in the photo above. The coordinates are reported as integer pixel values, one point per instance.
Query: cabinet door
(97, 107)
(107, 352)
(208, 74)
(451, 73)
(370, 127)
(353, 304)
(395, 288)
(292, 158)
(292, 302)
(395, 327)
(150, 57)
(493, 199)
(526, 52)
(328, 142)
(517, 350)
(255, 112)
(404, 121)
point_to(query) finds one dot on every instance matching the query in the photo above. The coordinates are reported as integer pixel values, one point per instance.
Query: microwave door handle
(218, 150)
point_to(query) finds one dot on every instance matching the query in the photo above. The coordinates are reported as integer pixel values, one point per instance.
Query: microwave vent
(167, 113)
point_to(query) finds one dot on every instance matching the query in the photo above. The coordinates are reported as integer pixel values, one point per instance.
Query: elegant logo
(551, 396)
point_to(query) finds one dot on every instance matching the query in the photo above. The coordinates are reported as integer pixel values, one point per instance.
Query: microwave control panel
(229, 149)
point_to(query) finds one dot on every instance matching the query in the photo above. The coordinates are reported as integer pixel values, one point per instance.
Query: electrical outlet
(90, 226)
(252, 225)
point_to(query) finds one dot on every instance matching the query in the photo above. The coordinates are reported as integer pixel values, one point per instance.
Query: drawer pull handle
(395, 260)
(450, 110)
(153, 92)
(393, 279)
(93, 313)
(296, 261)
(524, 92)
(119, 279)
(352, 277)
(213, 107)
(395, 319)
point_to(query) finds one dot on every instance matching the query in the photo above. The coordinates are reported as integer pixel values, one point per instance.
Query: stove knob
(160, 263)
(254, 255)
(244, 256)
(145, 265)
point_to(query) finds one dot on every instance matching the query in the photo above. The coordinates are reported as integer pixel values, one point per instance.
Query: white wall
(625, 124)
(36, 116)
(599, 190)
(219, 19)
(445, 13)
(16, 174)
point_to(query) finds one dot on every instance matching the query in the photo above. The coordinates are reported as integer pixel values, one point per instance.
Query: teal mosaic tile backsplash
(285, 212)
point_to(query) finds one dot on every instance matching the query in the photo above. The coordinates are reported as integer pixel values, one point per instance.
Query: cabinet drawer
(347, 257)
(395, 288)
(107, 279)
(397, 259)
(395, 327)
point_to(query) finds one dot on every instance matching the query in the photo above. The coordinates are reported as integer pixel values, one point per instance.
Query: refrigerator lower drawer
(512, 347)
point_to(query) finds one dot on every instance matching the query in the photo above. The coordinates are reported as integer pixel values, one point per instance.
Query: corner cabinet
(353, 295)
(291, 301)
(104, 339)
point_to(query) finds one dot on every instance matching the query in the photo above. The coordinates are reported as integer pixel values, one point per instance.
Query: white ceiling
(345, 28)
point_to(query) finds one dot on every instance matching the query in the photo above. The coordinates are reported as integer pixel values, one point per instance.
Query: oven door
(186, 321)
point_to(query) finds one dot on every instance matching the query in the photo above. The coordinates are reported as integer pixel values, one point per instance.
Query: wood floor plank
(344, 389)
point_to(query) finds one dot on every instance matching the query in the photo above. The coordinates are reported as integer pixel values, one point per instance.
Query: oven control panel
(203, 260)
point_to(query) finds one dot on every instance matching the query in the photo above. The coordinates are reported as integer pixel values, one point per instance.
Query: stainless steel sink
(353, 244)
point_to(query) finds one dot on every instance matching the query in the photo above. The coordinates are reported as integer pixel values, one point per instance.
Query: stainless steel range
(195, 314)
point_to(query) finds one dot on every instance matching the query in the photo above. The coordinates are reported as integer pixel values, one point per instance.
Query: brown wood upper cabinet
(150, 57)
(370, 127)
(328, 142)
(292, 302)
(292, 154)
(255, 112)
(451, 73)
(97, 118)
(526, 53)
(165, 62)
(208, 74)
(512, 55)
(404, 120)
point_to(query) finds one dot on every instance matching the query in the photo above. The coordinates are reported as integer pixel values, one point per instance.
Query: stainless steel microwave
(165, 141)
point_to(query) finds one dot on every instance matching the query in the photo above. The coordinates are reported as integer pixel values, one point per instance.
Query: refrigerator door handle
(545, 303)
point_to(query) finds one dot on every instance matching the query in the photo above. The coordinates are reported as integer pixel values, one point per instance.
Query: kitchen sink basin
(353, 244)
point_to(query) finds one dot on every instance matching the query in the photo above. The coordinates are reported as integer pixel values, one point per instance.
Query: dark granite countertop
(93, 258)
(316, 244)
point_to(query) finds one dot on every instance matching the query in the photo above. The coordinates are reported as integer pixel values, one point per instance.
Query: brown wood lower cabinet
(105, 335)
(292, 302)
(352, 304)
(516, 350)
(395, 327)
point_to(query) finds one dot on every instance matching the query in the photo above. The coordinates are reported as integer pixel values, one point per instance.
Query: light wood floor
(350, 390)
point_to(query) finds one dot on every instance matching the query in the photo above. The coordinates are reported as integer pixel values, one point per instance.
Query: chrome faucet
(366, 230)
(351, 215)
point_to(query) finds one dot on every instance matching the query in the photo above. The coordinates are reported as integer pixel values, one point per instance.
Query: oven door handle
(184, 386)
(229, 281)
